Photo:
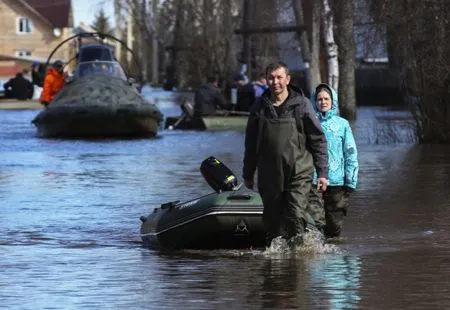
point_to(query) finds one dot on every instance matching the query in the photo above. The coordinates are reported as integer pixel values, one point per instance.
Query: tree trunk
(304, 45)
(130, 36)
(264, 45)
(155, 43)
(230, 63)
(315, 44)
(177, 43)
(117, 29)
(247, 51)
(143, 44)
(344, 10)
(332, 49)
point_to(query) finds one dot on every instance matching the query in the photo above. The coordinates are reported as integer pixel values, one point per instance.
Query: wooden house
(30, 30)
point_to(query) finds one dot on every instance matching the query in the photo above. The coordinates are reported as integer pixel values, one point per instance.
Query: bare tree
(264, 46)
(331, 46)
(304, 44)
(198, 37)
(419, 34)
(315, 43)
(343, 12)
(155, 44)
(118, 31)
(202, 36)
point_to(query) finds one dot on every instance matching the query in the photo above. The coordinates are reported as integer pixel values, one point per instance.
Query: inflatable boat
(218, 220)
(229, 218)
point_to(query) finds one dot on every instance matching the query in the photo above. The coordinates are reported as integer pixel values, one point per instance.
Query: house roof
(55, 12)
(7, 72)
(29, 59)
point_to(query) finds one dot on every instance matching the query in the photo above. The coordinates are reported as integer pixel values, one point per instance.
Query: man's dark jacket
(208, 99)
(19, 88)
(245, 97)
(297, 106)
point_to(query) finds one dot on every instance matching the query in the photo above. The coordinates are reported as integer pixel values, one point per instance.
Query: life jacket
(53, 82)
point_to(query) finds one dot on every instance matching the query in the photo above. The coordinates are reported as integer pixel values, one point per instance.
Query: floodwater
(69, 225)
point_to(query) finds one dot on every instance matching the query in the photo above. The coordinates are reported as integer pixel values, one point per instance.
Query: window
(95, 53)
(24, 25)
(23, 53)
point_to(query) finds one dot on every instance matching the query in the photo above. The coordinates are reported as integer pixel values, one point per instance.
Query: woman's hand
(322, 184)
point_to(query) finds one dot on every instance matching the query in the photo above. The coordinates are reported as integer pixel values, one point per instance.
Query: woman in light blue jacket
(342, 159)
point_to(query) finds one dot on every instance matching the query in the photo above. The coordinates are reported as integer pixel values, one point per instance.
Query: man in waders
(285, 142)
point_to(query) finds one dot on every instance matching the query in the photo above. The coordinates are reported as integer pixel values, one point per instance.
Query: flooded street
(70, 225)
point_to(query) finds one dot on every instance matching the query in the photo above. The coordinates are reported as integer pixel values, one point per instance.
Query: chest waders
(285, 170)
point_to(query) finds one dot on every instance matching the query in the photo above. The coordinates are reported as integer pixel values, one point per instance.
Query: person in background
(36, 74)
(36, 79)
(18, 88)
(26, 74)
(284, 142)
(245, 93)
(342, 161)
(260, 85)
(208, 98)
(53, 82)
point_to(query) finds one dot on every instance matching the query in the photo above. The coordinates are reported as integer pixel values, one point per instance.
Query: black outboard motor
(187, 108)
(217, 175)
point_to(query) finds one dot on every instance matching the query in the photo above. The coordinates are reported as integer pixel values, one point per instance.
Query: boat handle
(169, 204)
(240, 197)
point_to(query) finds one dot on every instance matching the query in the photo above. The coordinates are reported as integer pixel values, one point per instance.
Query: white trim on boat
(196, 218)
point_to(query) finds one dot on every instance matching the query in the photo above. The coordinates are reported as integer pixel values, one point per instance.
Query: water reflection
(338, 279)
(285, 284)
(310, 279)
(253, 280)
(70, 228)
(384, 125)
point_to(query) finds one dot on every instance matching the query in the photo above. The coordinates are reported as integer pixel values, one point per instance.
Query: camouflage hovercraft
(100, 100)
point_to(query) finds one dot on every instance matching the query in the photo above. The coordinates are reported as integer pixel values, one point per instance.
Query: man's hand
(322, 184)
(249, 184)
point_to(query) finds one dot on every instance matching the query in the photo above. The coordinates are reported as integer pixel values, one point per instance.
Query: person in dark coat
(18, 88)
(285, 143)
(260, 85)
(245, 93)
(36, 74)
(209, 98)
